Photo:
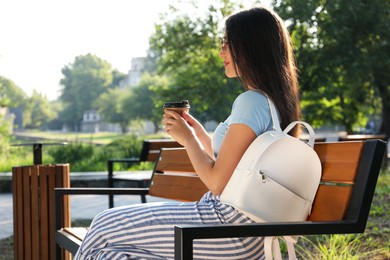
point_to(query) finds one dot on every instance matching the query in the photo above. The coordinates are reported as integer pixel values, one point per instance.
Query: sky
(38, 38)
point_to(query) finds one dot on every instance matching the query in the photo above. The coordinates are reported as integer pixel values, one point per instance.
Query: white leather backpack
(276, 179)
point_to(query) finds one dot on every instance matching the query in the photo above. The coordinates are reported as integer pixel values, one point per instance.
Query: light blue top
(250, 108)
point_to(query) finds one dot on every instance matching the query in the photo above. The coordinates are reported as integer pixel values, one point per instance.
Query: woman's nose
(222, 53)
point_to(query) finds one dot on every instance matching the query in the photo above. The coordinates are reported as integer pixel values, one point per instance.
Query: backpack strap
(307, 126)
(272, 248)
(274, 116)
(276, 123)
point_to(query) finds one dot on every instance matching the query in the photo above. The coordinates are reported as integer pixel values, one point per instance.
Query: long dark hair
(261, 48)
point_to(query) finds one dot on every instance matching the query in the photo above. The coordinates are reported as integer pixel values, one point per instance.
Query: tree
(10, 94)
(143, 102)
(186, 49)
(5, 133)
(38, 111)
(110, 107)
(342, 48)
(84, 81)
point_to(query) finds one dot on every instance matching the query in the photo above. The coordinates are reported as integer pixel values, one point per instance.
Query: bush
(88, 157)
(125, 147)
(71, 153)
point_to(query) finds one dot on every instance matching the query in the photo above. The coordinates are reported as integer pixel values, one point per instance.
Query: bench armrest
(185, 234)
(60, 192)
(110, 165)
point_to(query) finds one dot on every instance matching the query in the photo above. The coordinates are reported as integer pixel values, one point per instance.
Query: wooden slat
(362, 137)
(152, 156)
(14, 203)
(63, 180)
(51, 185)
(26, 213)
(175, 159)
(178, 187)
(77, 232)
(65, 175)
(330, 203)
(44, 205)
(35, 214)
(179, 180)
(17, 178)
(339, 160)
(156, 145)
(340, 163)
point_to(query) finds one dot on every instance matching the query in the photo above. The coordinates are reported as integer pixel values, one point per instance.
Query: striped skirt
(145, 231)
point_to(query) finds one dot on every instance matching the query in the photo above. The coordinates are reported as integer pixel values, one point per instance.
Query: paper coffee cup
(178, 107)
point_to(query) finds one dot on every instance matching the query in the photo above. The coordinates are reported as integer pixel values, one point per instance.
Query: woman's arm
(214, 173)
(201, 133)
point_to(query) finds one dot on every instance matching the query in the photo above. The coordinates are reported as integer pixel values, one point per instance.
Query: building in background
(93, 124)
(134, 75)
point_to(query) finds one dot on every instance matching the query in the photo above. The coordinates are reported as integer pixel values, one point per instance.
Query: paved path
(82, 207)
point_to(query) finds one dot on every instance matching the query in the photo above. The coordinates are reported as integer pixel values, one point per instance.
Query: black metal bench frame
(149, 153)
(354, 222)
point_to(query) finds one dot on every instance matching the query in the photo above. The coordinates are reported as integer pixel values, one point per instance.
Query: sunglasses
(223, 43)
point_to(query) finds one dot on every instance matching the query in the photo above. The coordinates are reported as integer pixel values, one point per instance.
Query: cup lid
(182, 104)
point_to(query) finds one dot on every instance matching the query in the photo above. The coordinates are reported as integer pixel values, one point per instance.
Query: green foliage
(16, 156)
(38, 111)
(143, 103)
(71, 153)
(88, 157)
(110, 107)
(382, 191)
(84, 81)
(10, 94)
(342, 49)
(5, 134)
(187, 52)
(336, 247)
(126, 147)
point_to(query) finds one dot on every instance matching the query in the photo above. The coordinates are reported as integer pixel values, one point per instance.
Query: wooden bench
(149, 153)
(173, 178)
(342, 203)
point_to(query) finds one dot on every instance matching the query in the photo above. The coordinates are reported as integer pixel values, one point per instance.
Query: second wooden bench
(149, 153)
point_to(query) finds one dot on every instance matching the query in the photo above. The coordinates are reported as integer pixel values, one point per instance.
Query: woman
(257, 49)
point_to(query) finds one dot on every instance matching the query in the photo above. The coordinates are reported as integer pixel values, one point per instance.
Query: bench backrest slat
(151, 148)
(331, 203)
(182, 187)
(174, 159)
(340, 162)
(174, 177)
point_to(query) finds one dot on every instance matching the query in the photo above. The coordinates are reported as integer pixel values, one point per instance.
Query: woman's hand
(177, 127)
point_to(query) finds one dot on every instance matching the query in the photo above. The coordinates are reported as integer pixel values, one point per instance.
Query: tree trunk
(156, 126)
(385, 96)
(123, 127)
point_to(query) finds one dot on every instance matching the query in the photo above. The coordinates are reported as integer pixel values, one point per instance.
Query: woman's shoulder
(251, 108)
(250, 97)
